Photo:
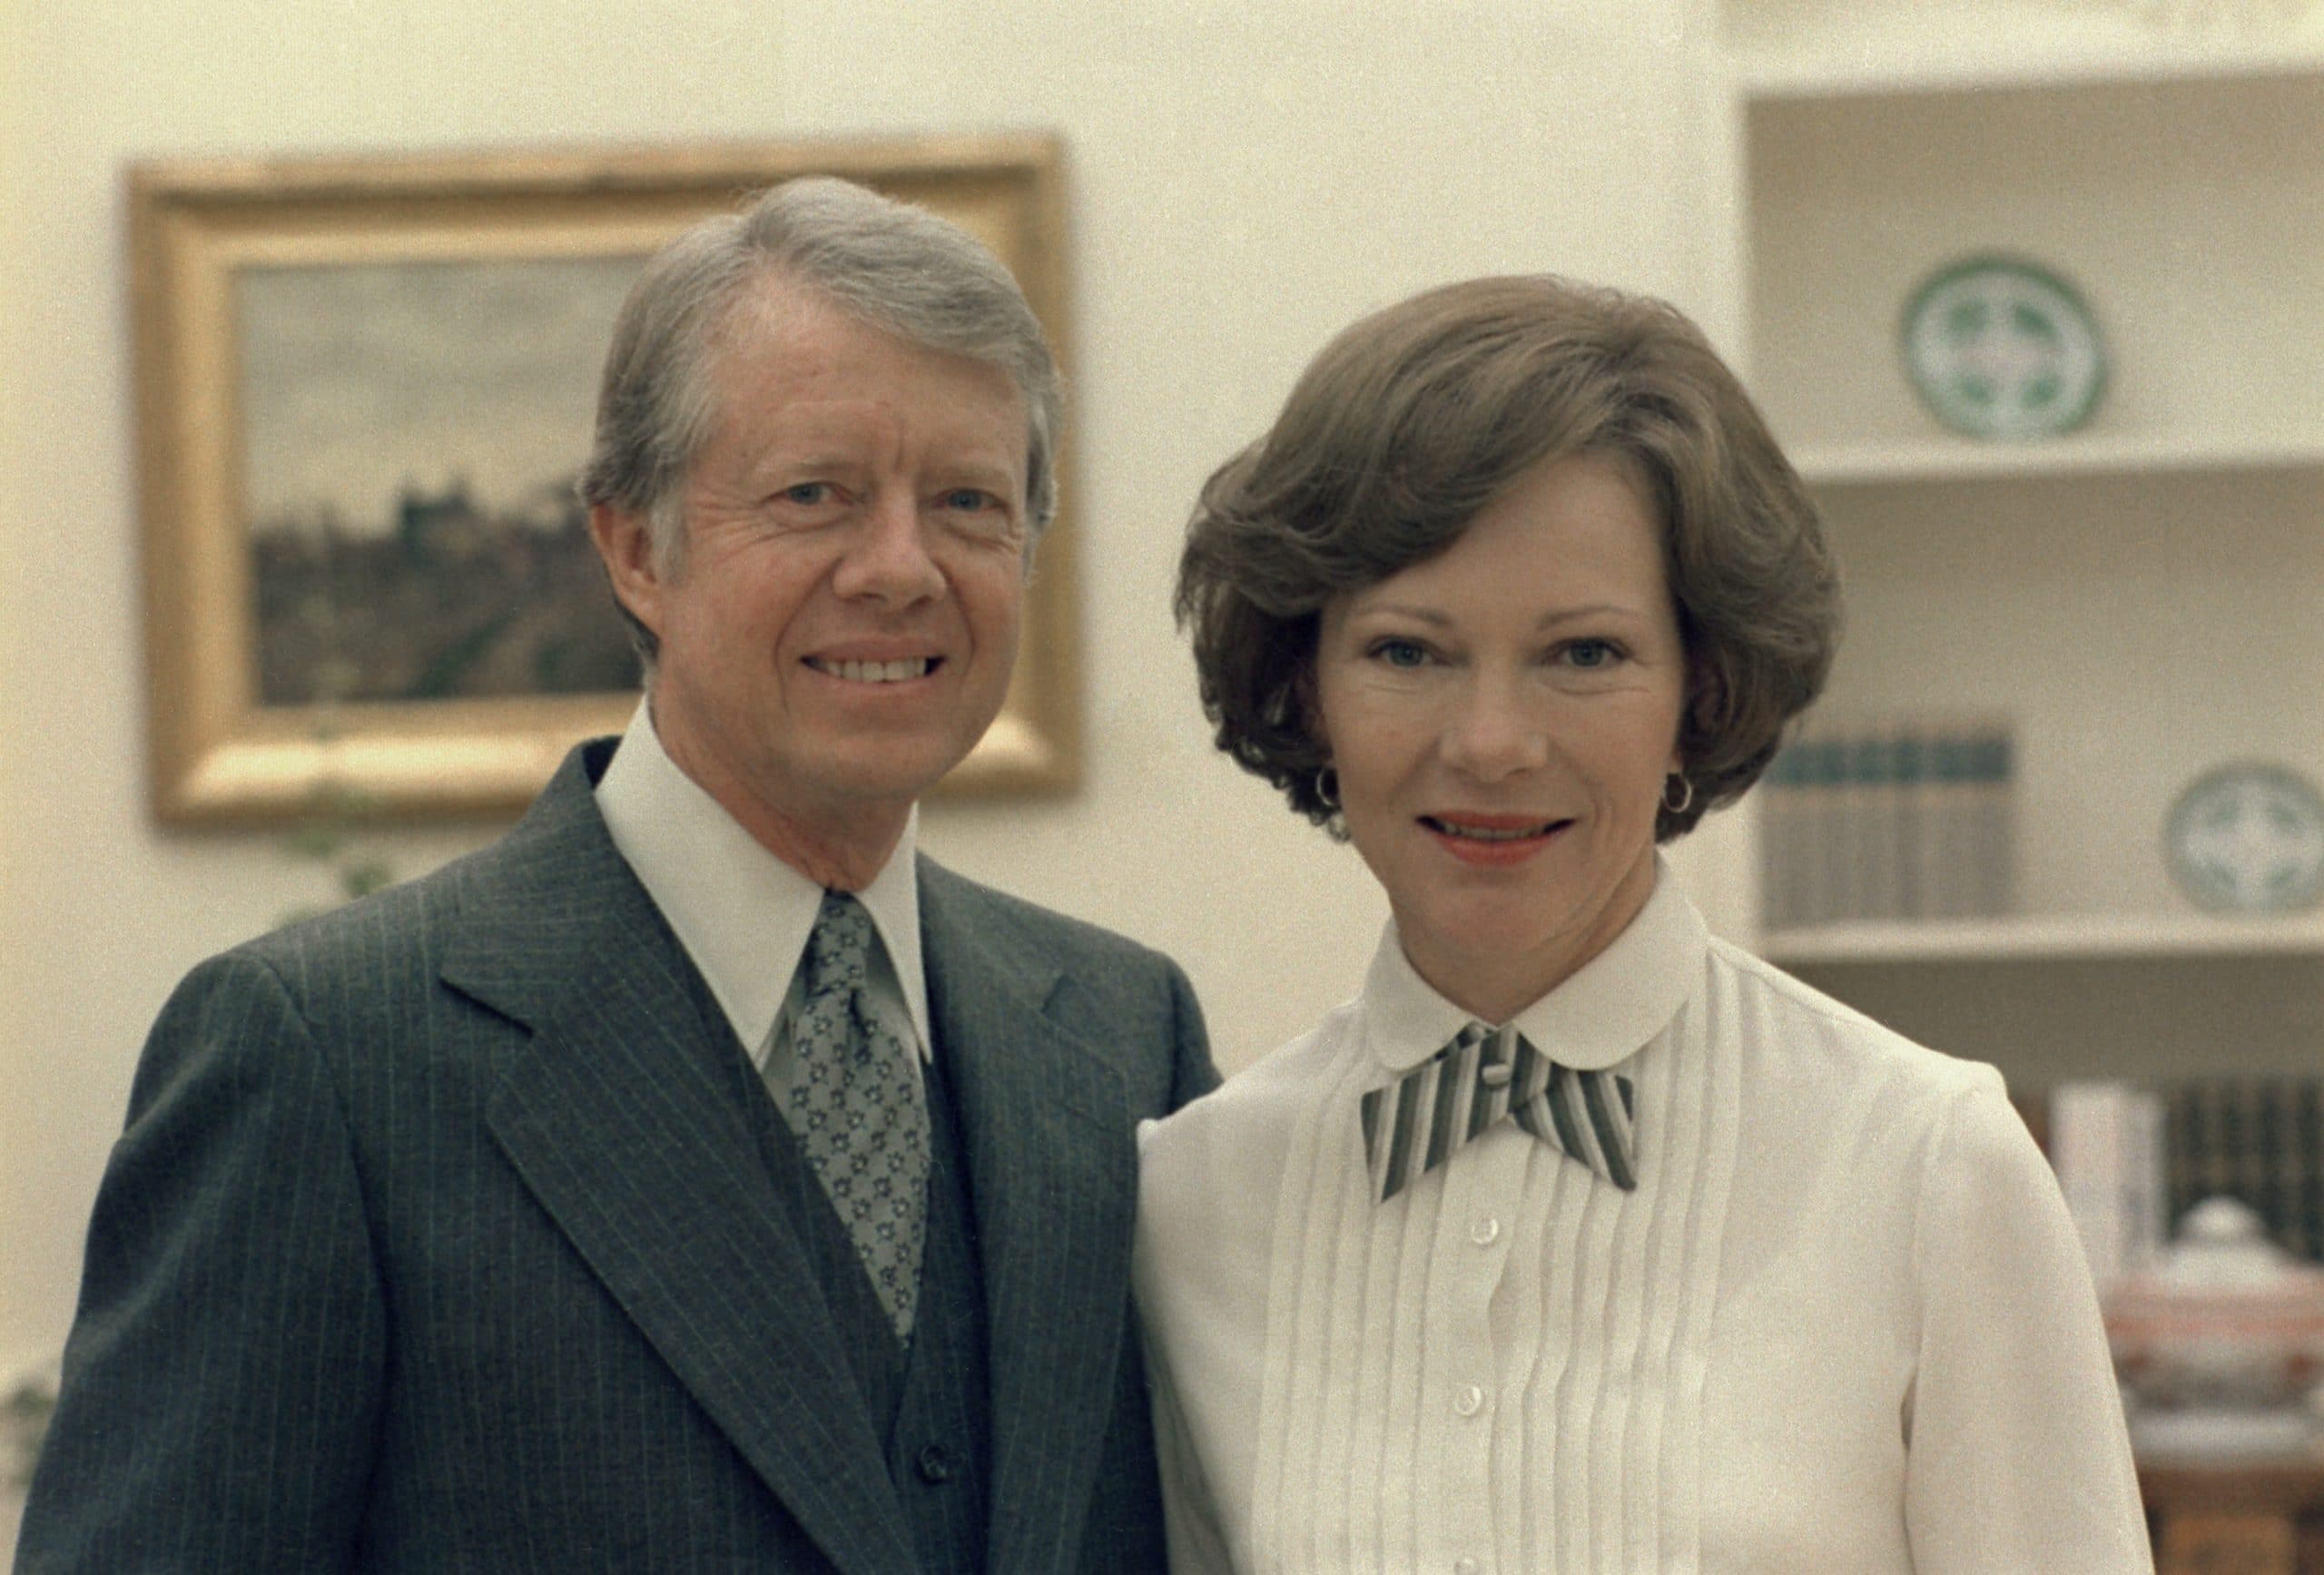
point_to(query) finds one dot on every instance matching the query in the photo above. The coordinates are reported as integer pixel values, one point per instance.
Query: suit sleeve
(1193, 1072)
(222, 1381)
(2016, 1454)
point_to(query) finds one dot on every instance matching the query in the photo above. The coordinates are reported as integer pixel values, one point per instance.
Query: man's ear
(625, 547)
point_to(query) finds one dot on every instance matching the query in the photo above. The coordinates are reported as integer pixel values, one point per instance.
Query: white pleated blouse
(1842, 1323)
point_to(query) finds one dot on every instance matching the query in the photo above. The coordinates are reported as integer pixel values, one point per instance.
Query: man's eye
(808, 494)
(970, 500)
(1399, 652)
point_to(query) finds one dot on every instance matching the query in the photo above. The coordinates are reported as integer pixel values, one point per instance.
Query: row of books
(2132, 1160)
(1912, 818)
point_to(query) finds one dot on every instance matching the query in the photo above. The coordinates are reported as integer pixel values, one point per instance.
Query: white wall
(1241, 185)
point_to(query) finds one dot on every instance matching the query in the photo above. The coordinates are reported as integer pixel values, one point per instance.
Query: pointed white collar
(1600, 1014)
(743, 914)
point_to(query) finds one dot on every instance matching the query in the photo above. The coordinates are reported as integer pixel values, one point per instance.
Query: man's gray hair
(899, 268)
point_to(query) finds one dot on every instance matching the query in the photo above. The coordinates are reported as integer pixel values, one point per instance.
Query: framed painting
(365, 388)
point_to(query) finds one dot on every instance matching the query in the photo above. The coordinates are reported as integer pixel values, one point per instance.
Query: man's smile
(894, 671)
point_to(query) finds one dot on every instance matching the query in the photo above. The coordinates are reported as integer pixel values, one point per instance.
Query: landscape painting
(365, 387)
(411, 437)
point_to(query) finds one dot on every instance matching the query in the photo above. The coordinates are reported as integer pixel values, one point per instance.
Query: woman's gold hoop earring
(1686, 794)
(1327, 788)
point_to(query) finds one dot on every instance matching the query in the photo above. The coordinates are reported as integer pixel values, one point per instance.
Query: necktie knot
(1416, 1124)
(839, 948)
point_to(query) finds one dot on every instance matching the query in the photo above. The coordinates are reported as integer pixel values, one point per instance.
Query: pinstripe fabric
(1414, 1124)
(440, 1239)
(936, 1396)
(862, 1337)
(944, 1400)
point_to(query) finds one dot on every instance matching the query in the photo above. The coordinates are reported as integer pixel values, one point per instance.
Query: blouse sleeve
(1198, 1544)
(1190, 1519)
(2017, 1458)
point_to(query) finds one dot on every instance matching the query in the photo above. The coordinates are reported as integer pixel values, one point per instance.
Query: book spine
(1838, 779)
(1949, 828)
(1819, 827)
(2183, 1143)
(2268, 1164)
(1908, 756)
(1779, 852)
(2145, 1202)
(1877, 787)
(2308, 1146)
(1993, 766)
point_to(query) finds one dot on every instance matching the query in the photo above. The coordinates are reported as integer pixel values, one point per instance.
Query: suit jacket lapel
(621, 1121)
(1052, 1166)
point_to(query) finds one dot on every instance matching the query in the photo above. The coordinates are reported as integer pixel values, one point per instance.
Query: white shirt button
(1485, 1232)
(1464, 1567)
(1469, 1401)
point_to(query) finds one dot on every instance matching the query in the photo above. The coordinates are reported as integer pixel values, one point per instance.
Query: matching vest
(932, 1401)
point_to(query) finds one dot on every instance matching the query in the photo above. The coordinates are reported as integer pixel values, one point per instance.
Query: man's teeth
(875, 672)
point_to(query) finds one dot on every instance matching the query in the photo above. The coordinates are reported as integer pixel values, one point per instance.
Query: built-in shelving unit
(2081, 937)
(2144, 598)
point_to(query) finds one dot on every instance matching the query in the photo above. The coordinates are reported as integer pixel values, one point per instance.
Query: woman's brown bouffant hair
(1410, 422)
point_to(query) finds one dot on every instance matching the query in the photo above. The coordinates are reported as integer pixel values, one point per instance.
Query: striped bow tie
(1413, 1125)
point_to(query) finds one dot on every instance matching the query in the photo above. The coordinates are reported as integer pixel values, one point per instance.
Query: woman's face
(1501, 717)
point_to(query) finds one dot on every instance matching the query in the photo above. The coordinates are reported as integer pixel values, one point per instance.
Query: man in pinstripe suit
(495, 1223)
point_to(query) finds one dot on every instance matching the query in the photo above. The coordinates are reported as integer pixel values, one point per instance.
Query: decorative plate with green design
(1998, 347)
(2249, 839)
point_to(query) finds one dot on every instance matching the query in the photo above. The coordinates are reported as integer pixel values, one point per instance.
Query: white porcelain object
(2220, 1341)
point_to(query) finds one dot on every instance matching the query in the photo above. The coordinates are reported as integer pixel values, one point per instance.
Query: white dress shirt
(744, 915)
(1841, 1324)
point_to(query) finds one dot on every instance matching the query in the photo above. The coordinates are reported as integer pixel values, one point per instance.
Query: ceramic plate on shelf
(1998, 347)
(2249, 839)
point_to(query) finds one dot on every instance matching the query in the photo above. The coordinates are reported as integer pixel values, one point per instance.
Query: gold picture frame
(304, 328)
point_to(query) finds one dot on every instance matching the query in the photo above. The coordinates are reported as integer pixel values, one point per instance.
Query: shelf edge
(2059, 938)
(1938, 460)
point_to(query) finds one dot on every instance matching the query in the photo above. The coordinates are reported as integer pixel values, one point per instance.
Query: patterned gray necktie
(860, 1108)
(1416, 1124)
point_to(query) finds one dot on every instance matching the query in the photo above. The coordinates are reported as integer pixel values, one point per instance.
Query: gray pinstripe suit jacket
(438, 1240)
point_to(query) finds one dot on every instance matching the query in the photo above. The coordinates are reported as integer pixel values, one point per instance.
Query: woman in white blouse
(1580, 1240)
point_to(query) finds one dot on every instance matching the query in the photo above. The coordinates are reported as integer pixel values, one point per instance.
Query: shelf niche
(2144, 598)
(2138, 631)
(2189, 213)
(2048, 1020)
